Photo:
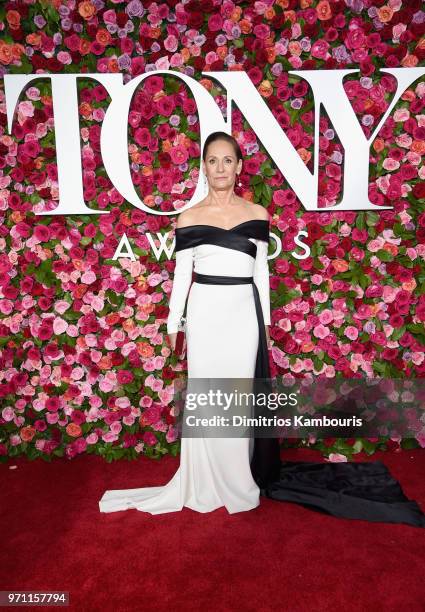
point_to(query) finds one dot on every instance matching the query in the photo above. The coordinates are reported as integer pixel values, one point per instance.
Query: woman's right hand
(173, 338)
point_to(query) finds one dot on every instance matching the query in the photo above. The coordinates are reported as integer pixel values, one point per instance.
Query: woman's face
(221, 165)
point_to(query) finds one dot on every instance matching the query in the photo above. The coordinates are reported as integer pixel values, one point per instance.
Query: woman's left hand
(269, 345)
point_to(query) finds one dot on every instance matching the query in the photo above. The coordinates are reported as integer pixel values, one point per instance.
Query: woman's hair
(222, 136)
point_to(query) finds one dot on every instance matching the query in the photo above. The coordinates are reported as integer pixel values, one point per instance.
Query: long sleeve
(261, 278)
(181, 284)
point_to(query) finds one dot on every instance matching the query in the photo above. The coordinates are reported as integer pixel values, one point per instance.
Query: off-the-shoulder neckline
(224, 229)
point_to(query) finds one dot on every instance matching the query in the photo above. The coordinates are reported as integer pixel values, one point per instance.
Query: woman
(225, 239)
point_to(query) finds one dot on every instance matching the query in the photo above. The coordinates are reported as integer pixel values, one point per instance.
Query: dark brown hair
(222, 136)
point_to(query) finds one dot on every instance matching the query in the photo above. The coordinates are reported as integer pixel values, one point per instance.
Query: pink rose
(215, 22)
(149, 438)
(319, 49)
(171, 43)
(355, 39)
(179, 154)
(59, 326)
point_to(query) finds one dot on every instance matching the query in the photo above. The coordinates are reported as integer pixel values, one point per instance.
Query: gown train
(228, 306)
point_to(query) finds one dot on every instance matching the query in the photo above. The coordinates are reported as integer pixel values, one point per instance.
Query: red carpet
(278, 556)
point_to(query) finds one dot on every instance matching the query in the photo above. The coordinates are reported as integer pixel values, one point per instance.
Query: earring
(205, 185)
(239, 182)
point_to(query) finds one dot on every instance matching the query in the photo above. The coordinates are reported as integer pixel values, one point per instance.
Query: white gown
(222, 332)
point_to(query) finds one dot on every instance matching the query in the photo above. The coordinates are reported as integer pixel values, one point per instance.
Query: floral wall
(85, 363)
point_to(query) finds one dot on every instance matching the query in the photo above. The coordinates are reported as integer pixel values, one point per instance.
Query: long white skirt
(222, 342)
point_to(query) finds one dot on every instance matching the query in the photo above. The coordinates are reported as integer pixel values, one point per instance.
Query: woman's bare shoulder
(190, 216)
(257, 210)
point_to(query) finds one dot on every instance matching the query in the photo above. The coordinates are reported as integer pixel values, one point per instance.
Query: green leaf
(258, 190)
(114, 298)
(360, 221)
(408, 443)
(380, 367)
(372, 218)
(384, 255)
(267, 193)
(397, 333)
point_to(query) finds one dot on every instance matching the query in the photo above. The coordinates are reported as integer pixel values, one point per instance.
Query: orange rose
(418, 146)
(5, 54)
(323, 10)
(207, 83)
(33, 39)
(105, 362)
(125, 220)
(144, 311)
(340, 265)
(265, 89)
(378, 145)
(307, 347)
(85, 109)
(80, 291)
(136, 157)
(149, 201)
(17, 50)
(390, 248)
(113, 318)
(269, 13)
(385, 14)
(304, 4)
(128, 325)
(236, 13)
(155, 32)
(141, 284)
(248, 195)
(409, 61)
(81, 342)
(147, 171)
(185, 53)
(144, 349)
(408, 95)
(13, 18)
(374, 309)
(409, 285)
(222, 52)
(74, 430)
(103, 37)
(113, 65)
(290, 15)
(294, 48)
(186, 141)
(85, 46)
(27, 433)
(304, 154)
(282, 3)
(271, 54)
(245, 26)
(86, 9)
(16, 216)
